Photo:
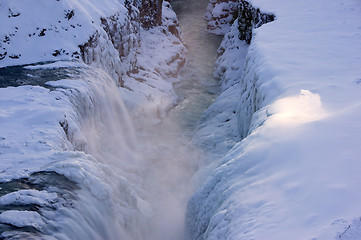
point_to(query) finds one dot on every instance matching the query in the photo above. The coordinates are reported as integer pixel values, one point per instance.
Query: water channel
(174, 160)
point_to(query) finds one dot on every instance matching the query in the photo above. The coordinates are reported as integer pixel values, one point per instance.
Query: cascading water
(91, 189)
(172, 159)
(112, 181)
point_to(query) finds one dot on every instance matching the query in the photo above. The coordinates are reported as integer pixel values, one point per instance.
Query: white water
(171, 159)
(134, 185)
(107, 205)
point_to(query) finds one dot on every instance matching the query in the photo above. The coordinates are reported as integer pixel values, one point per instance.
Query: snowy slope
(47, 31)
(50, 26)
(295, 175)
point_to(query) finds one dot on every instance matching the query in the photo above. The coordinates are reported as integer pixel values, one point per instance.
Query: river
(174, 160)
(131, 184)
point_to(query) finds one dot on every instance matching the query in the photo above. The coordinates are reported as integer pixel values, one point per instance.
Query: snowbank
(295, 174)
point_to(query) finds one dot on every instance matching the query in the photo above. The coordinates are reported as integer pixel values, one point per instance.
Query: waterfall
(101, 178)
(91, 188)
(89, 174)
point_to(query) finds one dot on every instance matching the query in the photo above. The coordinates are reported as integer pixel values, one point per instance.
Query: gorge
(184, 120)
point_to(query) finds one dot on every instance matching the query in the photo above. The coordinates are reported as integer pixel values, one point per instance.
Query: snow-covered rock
(77, 123)
(28, 218)
(42, 31)
(250, 17)
(105, 35)
(295, 174)
(220, 15)
(217, 129)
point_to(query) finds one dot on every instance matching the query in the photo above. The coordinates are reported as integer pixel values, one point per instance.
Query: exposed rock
(222, 13)
(3, 55)
(15, 56)
(42, 33)
(69, 14)
(151, 13)
(250, 17)
(13, 13)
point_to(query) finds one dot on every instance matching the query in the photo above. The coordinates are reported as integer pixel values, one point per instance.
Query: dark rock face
(150, 13)
(249, 18)
(222, 13)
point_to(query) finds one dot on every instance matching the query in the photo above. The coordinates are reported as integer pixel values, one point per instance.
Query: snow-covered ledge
(63, 30)
(295, 175)
(108, 35)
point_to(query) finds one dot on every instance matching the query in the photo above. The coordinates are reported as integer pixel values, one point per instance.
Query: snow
(81, 127)
(219, 15)
(36, 197)
(217, 129)
(57, 25)
(70, 30)
(28, 218)
(285, 129)
(152, 94)
(59, 64)
(295, 175)
(159, 60)
(29, 119)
